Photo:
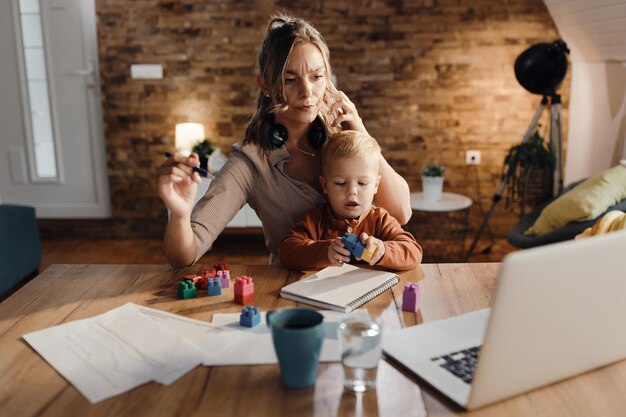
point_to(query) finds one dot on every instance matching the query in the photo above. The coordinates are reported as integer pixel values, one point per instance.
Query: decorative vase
(432, 187)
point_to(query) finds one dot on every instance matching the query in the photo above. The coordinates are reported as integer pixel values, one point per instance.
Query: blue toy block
(250, 316)
(353, 244)
(214, 286)
(186, 289)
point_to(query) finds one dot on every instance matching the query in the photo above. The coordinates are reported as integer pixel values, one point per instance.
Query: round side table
(440, 226)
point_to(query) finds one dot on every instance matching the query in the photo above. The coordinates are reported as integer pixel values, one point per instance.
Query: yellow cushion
(585, 202)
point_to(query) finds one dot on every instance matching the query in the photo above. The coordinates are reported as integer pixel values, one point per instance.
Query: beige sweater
(249, 177)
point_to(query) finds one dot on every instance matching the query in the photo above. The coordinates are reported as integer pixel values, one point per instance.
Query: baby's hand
(337, 253)
(373, 245)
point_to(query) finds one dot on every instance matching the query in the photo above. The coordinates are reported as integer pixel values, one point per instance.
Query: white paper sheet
(114, 352)
(109, 354)
(209, 338)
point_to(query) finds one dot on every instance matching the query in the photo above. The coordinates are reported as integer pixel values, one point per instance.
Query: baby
(350, 178)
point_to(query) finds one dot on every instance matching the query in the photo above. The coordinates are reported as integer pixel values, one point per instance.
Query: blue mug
(297, 334)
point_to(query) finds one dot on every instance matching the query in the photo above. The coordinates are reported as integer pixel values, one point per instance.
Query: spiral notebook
(340, 288)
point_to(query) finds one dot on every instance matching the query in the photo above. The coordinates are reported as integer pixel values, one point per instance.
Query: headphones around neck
(278, 134)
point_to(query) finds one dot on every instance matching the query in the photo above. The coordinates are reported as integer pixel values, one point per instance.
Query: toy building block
(221, 266)
(198, 281)
(202, 283)
(411, 297)
(244, 290)
(192, 277)
(353, 244)
(214, 286)
(209, 273)
(186, 289)
(250, 316)
(368, 253)
(224, 276)
(356, 247)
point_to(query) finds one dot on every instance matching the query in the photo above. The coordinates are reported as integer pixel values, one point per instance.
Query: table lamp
(187, 135)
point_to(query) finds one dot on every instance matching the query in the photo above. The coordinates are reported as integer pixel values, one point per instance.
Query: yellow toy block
(368, 253)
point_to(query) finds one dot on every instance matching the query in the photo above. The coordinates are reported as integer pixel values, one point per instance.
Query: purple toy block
(250, 316)
(224, 276)
(214, 286)
(411, 297)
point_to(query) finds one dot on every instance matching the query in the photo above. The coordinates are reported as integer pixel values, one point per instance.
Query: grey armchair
(20, 249)
(517, 238)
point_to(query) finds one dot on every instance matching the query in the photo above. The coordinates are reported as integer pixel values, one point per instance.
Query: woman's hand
(343, 111)
(178, 183)
(373, 245)
(393, 191)
(337, 253)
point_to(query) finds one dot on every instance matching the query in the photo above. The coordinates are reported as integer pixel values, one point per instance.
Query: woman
(276, 169)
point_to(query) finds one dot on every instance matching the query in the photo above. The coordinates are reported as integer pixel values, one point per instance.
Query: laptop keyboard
(460, 364)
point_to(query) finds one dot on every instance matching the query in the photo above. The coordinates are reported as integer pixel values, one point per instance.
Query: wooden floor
(245, 250)
(234, 250)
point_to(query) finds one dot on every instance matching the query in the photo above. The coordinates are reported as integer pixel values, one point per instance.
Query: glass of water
(361, 349)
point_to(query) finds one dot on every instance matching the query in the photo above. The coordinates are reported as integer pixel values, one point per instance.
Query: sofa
(20, 248)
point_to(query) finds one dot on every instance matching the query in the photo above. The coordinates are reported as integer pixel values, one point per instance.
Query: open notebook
(340, 288)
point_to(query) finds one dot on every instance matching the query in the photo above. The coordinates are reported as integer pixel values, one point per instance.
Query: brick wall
(431, 79)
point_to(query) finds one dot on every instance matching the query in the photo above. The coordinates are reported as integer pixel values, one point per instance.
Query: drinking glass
(361, 349)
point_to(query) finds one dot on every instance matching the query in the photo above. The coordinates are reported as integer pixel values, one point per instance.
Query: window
(38, 105)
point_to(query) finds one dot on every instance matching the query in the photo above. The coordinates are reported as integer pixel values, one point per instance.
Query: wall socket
(472, 157)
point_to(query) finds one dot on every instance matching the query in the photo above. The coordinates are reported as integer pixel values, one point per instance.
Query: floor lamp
(540, 69)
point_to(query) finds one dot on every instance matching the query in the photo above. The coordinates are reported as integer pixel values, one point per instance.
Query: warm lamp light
(187, 135)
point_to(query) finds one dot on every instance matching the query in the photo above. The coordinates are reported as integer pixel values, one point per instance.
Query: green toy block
(186, 289)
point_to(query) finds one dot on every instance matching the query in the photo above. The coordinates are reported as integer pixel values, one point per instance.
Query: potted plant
(528, 169)
(204, 149)
(432, 181)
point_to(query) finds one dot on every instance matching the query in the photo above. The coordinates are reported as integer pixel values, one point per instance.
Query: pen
(203, 172)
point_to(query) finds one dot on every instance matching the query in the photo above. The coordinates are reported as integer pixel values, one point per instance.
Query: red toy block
(221, 266)
(198, 281)
(244, 290)
(209, 273)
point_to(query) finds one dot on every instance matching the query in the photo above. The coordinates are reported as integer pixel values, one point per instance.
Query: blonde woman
(276, 167)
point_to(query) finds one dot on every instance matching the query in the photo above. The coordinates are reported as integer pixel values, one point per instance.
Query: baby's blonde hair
(349, 144)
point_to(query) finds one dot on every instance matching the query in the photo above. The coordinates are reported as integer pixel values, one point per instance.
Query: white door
(52, 153)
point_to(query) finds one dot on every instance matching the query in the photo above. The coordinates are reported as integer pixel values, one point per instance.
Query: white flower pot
(432, 187)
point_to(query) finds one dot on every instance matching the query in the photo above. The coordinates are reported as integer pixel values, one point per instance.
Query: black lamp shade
(541, 68)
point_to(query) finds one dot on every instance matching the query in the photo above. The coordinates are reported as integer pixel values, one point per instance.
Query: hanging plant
(533, 154)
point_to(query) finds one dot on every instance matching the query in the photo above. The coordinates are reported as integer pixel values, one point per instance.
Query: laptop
(558, 311)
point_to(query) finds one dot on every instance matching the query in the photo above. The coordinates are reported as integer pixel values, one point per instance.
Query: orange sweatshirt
(307, 245)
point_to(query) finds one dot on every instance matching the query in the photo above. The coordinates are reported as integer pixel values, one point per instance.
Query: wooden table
(29, 386)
